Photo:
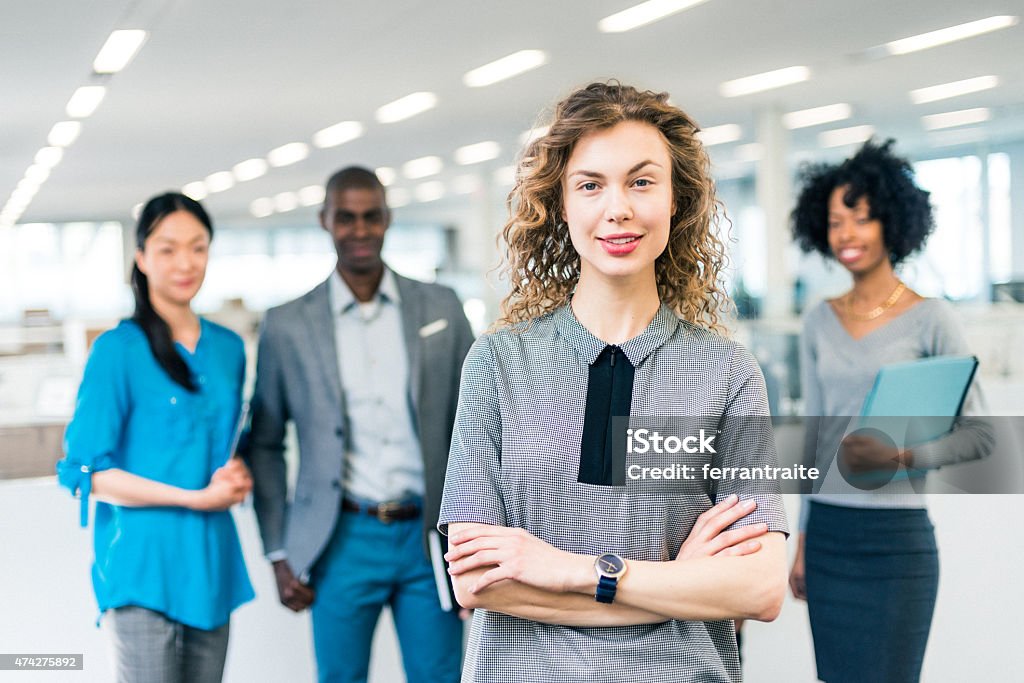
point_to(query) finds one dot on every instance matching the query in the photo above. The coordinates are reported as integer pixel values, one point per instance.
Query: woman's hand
(513, 554)
(236, 471)
(862, 454)
(797, 575)
(708, 537)
(229, 486)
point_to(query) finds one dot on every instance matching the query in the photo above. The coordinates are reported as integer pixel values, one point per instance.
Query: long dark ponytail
(157, 331)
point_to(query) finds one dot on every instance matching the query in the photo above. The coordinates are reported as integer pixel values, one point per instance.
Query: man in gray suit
(367, 367)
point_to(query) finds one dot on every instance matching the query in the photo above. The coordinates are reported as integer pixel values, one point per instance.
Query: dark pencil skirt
(872, 576)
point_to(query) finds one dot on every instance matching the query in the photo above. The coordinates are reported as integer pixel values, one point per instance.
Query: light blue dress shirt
(383, 458)
(130, 415)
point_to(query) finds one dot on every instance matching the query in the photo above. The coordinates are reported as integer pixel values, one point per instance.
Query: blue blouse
(131, 415)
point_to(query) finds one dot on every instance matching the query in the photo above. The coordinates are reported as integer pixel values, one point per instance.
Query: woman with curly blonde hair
(584, 563)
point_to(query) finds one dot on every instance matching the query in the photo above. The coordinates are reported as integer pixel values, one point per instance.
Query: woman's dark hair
(157, 331)
(887, 181)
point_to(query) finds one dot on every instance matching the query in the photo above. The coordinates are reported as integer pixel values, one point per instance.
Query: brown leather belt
(390, 511)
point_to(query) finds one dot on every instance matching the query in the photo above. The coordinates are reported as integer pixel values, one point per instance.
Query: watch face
(611, 564)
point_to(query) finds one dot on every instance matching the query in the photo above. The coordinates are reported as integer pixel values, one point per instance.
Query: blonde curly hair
(540, 261)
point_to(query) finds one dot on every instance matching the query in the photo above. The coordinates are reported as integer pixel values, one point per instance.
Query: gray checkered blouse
(515, 460)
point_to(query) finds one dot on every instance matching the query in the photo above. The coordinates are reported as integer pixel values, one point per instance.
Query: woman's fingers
(730, 515)
(733, 537)
(713, 512)
(484, 558)
(740, 549)
(490, 577)
(468, 548)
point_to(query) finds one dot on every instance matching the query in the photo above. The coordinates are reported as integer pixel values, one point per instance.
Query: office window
(71, 269)
(953, 262)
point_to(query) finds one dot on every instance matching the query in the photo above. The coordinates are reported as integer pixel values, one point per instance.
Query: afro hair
(885, 181)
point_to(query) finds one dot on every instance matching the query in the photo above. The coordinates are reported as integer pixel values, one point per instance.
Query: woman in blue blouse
(153, 424)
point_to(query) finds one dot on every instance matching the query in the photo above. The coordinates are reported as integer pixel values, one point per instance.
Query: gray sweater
(838, 371)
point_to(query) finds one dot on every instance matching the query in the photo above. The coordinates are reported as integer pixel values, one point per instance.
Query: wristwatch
(610, 568)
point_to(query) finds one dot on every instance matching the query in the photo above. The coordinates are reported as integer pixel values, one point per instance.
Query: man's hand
(798, 575)
(294, 594)
(707, 537)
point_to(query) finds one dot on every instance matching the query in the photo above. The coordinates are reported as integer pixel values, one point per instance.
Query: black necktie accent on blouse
(609, 394)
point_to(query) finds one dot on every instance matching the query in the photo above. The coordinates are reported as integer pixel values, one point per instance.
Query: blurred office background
(249, 106)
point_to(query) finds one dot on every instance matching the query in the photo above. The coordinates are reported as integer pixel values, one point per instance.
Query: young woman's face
(174, 257)
(617, 200)
(856, 239)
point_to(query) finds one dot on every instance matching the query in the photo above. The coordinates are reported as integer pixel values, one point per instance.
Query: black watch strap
(606, 586)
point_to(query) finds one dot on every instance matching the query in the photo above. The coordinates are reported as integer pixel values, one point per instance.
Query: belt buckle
(386, 511)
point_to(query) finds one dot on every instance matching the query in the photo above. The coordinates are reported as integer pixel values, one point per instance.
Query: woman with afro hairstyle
(867, 562)
(578, 571)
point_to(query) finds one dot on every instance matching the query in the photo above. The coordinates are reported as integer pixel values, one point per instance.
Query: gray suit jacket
(297, 380)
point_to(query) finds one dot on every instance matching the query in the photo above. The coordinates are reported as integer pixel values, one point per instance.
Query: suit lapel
(412, 309)
(317, 310)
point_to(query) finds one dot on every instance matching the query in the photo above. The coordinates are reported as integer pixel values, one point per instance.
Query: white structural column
(477, 243)
(1016, 153)
(774, 197)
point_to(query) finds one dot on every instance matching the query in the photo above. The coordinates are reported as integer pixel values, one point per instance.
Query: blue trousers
(369, 564)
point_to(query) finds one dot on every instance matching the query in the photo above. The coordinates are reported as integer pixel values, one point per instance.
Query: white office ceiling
(221, 81)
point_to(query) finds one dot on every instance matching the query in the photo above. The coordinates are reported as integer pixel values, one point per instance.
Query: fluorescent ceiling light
(534, 133)
(951, 119)
(262, 207)
(196, 190)
(466, 184)
(474, 154)
(338, 134)
(85, 100)
(398, 197)
(960, 136)
(49, 156)
(291, 153)
(386, 175)
(285, 201)
(37, 174)
(717, 135)
(311, 195)
(24, 194)
(16, 208)
(945, 91)
(845, 136)
(764, 81)
(952, 34)
(816, 116)
(64, 133)
(504, 68)
(422, 167)
(250, 169)
(118, 51)
(643, 14)
(406, 107)
(428, 192)
(28, 185)
(219, 181)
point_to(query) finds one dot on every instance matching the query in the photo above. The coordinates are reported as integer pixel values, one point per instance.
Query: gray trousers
(150, 648)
